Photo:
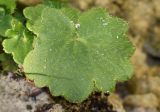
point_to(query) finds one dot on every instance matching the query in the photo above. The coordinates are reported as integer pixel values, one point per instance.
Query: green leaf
(71, 13)
(34, 13)
(58, 4)
(8, 5)
(76, 58)
(5, 23)
(19, 42)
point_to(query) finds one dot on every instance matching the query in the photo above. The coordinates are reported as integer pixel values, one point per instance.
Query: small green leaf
(8, 5)
(19, 42)
(5, 23)
(34, 13)
(76, 58)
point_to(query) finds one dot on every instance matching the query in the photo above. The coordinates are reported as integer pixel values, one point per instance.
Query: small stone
(145, 100)
(56, 108)
(141, 109)
(115, 100)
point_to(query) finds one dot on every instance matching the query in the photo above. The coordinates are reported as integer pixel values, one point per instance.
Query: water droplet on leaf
(105, 24)
(50, 49)
(77, 26)
(117, 36)
(108, 92)
(71, 21)
(97, 52)
(44, 67)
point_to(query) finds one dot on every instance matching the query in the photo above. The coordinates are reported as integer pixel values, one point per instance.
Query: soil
(140, 94)
(19, 95)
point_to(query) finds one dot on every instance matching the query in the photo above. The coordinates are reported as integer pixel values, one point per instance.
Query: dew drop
(50, 49)
(117, 36)
(44, 67)
(77, 26)
(108, 92)
(105, 24)
(71, 21)
(97, 52)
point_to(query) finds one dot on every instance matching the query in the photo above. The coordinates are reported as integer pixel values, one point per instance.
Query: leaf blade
(19, 42)
(76, 59)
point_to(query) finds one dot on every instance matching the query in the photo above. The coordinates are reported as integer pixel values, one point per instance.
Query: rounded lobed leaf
(6, 7)
(5, 24)
(9, 5)
(76, 57)
(19, 42)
